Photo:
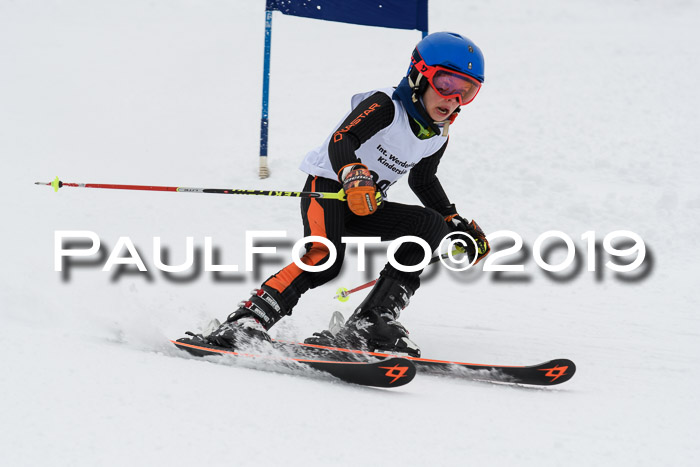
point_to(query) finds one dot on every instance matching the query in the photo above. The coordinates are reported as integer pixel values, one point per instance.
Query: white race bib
(389, 154)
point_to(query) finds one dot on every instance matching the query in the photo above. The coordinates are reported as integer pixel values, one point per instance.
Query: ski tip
(197, 349)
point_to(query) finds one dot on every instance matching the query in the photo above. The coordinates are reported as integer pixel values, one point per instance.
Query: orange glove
(360, 190)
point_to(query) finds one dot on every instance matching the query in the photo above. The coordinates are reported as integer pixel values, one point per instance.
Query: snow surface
(588, 121)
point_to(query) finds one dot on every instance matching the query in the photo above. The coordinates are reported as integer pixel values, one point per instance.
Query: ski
(390, 373)
(549, 373)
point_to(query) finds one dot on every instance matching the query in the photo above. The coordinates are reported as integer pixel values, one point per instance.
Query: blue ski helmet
(450, 50)
(438, 56)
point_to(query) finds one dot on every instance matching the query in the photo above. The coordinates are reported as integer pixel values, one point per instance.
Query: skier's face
(438, 107)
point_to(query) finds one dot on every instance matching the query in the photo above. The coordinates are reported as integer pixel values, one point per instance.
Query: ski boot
(373, 327)
(249, 323)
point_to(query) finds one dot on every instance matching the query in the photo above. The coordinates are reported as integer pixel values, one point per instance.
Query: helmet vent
(470, 65)
(471, 49)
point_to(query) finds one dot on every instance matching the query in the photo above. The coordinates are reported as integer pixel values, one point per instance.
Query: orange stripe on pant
(313, 256)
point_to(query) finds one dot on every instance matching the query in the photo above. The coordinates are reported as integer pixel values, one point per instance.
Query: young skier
(387, 134)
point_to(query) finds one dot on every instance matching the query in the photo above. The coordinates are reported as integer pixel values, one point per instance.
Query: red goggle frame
(449, 83)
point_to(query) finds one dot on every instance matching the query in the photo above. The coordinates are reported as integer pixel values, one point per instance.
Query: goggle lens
(451, 84)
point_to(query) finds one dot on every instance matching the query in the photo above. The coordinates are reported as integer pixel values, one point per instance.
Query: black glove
(457, 223)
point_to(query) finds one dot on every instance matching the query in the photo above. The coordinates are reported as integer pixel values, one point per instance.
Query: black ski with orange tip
(389, 373)
(544, 374)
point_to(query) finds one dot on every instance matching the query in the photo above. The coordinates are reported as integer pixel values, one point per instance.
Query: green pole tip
(343, 295)
(56, 184)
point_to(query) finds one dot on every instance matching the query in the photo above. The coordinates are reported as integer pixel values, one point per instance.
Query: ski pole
(340, 196)
(343, 294)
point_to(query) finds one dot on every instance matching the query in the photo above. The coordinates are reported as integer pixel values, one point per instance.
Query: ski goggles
(449, 83)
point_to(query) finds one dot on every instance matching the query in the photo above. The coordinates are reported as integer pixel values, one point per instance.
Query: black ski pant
(333, 220)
